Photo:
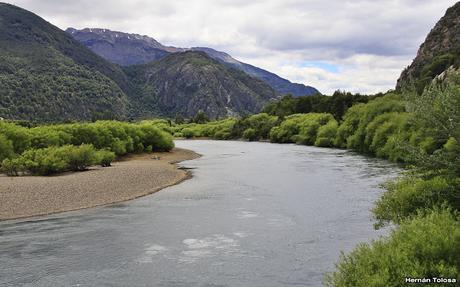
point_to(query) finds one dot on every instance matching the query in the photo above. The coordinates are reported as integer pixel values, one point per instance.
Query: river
(254, 214)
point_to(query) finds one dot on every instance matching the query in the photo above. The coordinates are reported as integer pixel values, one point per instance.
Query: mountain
(122, 48)
(46, 75)
(127, 49)
(185, 83)
(439, 51)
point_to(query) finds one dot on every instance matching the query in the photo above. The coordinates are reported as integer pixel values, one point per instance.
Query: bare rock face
(440, 51)
(185, 83)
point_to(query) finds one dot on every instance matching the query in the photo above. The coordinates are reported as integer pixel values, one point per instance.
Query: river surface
(254, 214)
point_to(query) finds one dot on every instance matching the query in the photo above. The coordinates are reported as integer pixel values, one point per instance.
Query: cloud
(367, 42)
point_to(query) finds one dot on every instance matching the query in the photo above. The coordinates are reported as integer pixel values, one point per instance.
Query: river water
(254, 214)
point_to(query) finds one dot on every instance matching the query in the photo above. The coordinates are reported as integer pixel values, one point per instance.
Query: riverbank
(131, 177)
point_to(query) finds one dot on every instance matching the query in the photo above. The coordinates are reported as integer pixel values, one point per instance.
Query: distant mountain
(185, 83)
(122, 48)
(46, 75)
(127, 49)
(439, 51)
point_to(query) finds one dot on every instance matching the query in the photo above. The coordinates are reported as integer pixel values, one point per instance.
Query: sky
(357, 46)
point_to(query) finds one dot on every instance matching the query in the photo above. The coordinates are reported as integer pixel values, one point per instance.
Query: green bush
(119, 137)
(326, 134)
(6, 148)
(352, 131)
(52, 160)
(426, 246)
(300, 128)
(18, 135)
(105, 157)
(261, 124)
(81, 157)
(220, 130)
(410, 194)
(12, 166)
(250, 134)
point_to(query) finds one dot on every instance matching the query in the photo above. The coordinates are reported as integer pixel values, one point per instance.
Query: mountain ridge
(48, 76)
(439, 51)
(116, 50)
(196, 78)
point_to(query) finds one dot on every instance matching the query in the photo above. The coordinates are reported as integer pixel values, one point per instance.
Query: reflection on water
(254, 214)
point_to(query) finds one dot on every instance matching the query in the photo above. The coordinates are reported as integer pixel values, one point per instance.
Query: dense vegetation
(337, 104)
(46, 75)
(50, 149)
(420, 130)
(424, 246)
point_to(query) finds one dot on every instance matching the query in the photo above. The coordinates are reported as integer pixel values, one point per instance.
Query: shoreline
(131, 177)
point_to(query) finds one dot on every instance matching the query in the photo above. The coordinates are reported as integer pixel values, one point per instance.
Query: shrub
(159, 140)
(12, 167)
(81, 157)
(261, 124)
(326, 134)
(250, 134)
(216, 130)
(352, 132)
(300, 128)
(425, 247)
(406, 196)
(105, 157)
(44, 161)
(51, 160)
(6, 148)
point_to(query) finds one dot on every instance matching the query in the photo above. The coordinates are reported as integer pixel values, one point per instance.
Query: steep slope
(279, 84)
(126, 49)
(439, 51)
(46, 75)
(185, 83)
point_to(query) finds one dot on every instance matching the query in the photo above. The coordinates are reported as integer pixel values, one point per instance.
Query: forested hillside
(46, 75)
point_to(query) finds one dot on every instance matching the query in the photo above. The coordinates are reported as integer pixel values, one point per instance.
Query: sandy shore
(132, 177)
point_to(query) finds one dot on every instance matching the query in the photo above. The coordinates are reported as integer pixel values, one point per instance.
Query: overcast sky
(358, 46)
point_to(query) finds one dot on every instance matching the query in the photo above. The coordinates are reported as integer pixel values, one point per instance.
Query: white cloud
(369, 42)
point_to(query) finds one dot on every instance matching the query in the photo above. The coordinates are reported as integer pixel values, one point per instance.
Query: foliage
(6, 148)
(411, 193)
(200, 118)
(326, 134)
(105, 157)
(46, 161)
(437, 111)
(111, 137)
(47, 76)
(220, 130)
(424, 202)
(300, 128)
(337, 104)
(426, 246)
(256, 127)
